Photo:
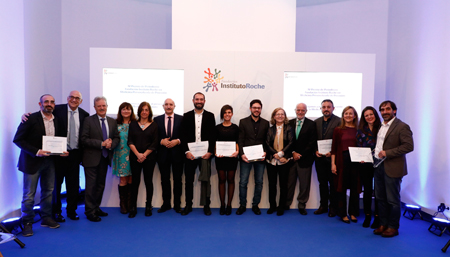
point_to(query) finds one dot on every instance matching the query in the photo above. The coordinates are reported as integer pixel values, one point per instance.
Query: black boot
(148, 209)
(133, 212)
(123, 195)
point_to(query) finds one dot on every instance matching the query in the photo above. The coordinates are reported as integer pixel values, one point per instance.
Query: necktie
(299, 126)
(169, 127)
(72, 137)
(105, 136)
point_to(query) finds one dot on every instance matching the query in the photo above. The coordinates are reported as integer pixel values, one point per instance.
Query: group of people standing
(134, 143)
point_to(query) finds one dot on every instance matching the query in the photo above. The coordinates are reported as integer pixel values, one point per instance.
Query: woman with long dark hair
(367, 137)
(143, 142)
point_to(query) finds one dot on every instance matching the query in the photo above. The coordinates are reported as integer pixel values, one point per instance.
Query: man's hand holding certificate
(198, 149)
(254, 153)
(360, 154)
(324, 146)
(53, 146)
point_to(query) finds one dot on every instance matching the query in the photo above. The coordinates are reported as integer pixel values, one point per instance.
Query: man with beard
(394, 141)
(170, 154)
(37, 164)
(325, 126)
(198, 125)
(252, 131)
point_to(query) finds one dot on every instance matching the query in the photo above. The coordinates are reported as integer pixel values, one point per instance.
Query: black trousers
(177, 172)
(350, 181)
(273, 172)
(189, 172)
(67, 168)
(366, 174)
(147, 167)
(95, 185)
(326, 183)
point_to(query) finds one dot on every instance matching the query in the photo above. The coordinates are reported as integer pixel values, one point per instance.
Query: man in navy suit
(99, 137)
(303, 157)
(36, 164)
(170, 154)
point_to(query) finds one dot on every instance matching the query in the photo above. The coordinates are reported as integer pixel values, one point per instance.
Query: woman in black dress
(226, 166)
(143, 141)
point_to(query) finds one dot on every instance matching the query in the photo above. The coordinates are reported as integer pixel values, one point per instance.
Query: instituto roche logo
(215, 80)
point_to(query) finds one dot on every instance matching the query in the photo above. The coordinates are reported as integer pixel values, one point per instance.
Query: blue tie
(105, 136)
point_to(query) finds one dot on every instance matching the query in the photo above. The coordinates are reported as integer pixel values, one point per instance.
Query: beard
(199, 106)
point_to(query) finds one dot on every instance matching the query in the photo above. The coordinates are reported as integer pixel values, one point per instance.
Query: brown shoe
(321, 210)
(380, 230)
(390, 232)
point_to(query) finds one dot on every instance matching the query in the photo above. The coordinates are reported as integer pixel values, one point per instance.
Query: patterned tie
(72, 137)
(169, 127)
(299, 126)
(105, 136)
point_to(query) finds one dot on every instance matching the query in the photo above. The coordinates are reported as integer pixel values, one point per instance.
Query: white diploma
(254, 152)
(55, 145)
(225, 148)
(360, 154)
(324, 146)
(198, 149)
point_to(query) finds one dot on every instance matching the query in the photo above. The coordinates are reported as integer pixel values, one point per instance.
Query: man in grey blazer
(394, 141)
(99, 137)
(325, 126)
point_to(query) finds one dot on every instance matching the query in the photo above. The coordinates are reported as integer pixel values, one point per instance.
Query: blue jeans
(244, 174)
(387, 193)
(46, 175)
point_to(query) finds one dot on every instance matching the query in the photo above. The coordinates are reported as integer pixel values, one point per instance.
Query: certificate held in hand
(254, 152)
(324, 146)
(55, 145)
(360, 154)
(225, 148)
(198, 149)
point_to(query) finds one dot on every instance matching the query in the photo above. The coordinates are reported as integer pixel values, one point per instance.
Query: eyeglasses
(74, 98)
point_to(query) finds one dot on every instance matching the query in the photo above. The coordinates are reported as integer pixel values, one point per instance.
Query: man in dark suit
(394, 141)
(169, 154)
(252, 131)
(36, 164)
(70, 120)
(325, 126)
(303, 157)
(198, 125)
(99, 137)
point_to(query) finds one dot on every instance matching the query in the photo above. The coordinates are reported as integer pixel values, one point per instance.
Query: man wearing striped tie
(303, 157)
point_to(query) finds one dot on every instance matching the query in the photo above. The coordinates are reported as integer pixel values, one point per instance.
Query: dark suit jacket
(208, 130)
(60, 112)
(306, 142)
(247, 135)
(397, 143)
(176, 152)
(29, 139)
(92, 138)
(288, 141)
(334, 122)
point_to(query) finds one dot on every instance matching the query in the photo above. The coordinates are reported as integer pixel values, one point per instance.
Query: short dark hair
(42, 96)
(224, 109)
(255, 101)
(393, 106)
(125, 105)
(141, 106)
(327, 100)
(199, 93)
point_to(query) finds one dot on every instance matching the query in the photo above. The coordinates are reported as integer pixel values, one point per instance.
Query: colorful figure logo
(212, 80)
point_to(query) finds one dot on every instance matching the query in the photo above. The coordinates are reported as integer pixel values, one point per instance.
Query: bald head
(169, 106)
(301, 110)
(74, 99)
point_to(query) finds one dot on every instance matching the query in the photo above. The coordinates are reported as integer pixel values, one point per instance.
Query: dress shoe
(380, 230)
(177, 209)
(73, 216)
(58, 217)
(222, 210)
(186, 210)
(376, 222)
(302, 211)
(207, 210)
(164, 209)
(256, 210)
(271, 210)
(132, 213)
(367, 220)
(390, 232)
(101, 213)
(94, 218)
(49, 223)
(332, 213)
(148, 211)
(280, 211)
(228, 210)
(241, 210)
(345, 220)
(353, 219)
(320, 210)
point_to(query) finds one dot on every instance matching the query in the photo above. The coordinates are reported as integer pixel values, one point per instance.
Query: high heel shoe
(222, 210)
(367, 220)
(228, 211)
(353, 219)
(345, 220)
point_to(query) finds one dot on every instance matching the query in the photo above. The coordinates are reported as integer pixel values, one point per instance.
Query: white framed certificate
(55, 145)
(360, 154)
(225, 148)
(254, 152)
(324, 146)
(198, 149)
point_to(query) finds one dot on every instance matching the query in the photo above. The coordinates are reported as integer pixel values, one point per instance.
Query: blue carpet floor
(170, 234)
